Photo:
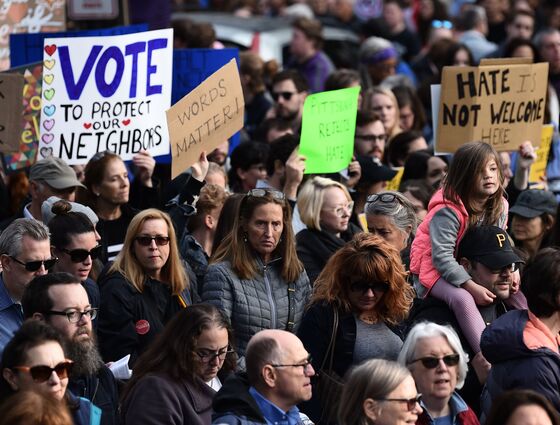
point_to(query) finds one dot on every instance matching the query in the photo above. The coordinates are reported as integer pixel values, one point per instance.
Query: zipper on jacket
(270, 300)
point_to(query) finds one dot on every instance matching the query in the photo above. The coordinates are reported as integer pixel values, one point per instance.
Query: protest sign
(28, 16)
(500, 104)
(396, 182)
(28, 126)
(205, 117)
(11, 108)
(538, 169)
(328, 127)
(28, 48)
(106, 93)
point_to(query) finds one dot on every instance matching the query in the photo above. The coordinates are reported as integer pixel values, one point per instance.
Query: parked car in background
(270, 37)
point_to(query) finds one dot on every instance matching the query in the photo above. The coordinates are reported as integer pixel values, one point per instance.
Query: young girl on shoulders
(472, 194)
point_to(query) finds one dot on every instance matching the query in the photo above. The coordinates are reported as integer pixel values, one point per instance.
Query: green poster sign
(328, 126)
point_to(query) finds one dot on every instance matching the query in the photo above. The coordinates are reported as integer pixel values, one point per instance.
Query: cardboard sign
(28, 16)
(205, 117)
(106, 93)
(11, 108)
(328, 127)
(538, 169)
(28, 48)
(503, 105)
(28, 124)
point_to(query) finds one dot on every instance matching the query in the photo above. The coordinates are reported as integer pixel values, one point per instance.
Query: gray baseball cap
(55, 172)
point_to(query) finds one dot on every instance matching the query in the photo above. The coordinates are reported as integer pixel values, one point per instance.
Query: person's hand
(200, 168)
(527, 155)
(481, 295)
(516, 283)
(354, 173)
(481, 367)
(294, 169)
(145, 164)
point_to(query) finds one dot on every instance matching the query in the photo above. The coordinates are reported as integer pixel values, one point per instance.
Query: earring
(245, 237)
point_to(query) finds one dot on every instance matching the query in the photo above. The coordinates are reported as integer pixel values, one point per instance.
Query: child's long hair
(461, 182)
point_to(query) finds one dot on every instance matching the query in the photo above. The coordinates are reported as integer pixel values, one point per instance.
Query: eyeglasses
(386, 198)
(511, 268)
(147, 240)
(261, 193)
(75, 316)
(433, 362)
(80, 255)
(340, 211)
(287, 95)
(303, 365)
(33, 266)
(43, 373)
(364, 287)
(208, 356)
(442, 24)
(371, 137)
(410, 402)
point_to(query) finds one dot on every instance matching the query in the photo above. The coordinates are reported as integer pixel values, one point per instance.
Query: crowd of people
(245, 291)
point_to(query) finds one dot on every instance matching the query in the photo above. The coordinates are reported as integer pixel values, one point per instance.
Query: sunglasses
(386, 198)
(512, 268)
(410, 402)
(43, 373)
(364, 287)
(33, 266)
(100, 155)
(442, 24)
(433, 362)
(80, 255)
(287, 95)
(261, 193)
(147, 240)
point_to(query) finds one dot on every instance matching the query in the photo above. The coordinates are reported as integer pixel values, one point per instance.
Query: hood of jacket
(234, 398)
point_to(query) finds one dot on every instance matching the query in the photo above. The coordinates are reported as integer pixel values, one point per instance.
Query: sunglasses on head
(80, 255)
(260, 193)
(287, 95)
(386, 198)
(433, 362)
(33, 266)
(363, 287)
(43, 373)
(147, 240)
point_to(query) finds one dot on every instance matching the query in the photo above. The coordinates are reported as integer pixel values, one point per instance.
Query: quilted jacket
(254, 304)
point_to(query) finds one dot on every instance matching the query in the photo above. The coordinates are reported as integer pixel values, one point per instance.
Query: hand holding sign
(328, 126)
(145, 164)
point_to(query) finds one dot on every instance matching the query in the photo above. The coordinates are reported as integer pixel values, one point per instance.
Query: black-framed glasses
(386, 198)
(286, 95)
(371, 137)
(303, 365)
(75, 316)
(410, 402)
(42, 373)
(80, 255)
(208, 356)
(433, 362)
(364, 286)
(33, 266)
(147, 240)
(511, 268)
(261, 193)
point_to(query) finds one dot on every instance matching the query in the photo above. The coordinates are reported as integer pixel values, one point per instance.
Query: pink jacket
(421, 250)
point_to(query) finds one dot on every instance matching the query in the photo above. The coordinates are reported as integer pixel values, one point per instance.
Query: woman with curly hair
(362, 291)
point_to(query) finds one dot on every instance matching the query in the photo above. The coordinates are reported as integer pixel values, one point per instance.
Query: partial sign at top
(28, 16)
(500, 104)
(106, 93)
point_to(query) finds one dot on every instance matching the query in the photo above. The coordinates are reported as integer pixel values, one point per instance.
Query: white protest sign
(106, 93)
